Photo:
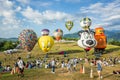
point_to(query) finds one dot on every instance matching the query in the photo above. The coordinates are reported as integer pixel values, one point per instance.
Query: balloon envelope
(101, 38)
(69, 25)
(45, 32)
(85, 23)
(45, 43)
(87, 40)
(27, 39)
(58, 33)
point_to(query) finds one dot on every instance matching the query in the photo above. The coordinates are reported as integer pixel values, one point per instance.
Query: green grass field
(73, 51)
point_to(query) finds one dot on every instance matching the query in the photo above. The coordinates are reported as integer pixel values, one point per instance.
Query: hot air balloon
(87, 40)
(27, 39)
(58, 33)
(45, 32)
(101, 40)
(69, 25)
(85, 23)
(45, 43)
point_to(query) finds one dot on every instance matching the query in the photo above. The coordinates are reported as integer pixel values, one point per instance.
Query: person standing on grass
(99, 67)
(53, 65)
(21, 65)
(62, 65)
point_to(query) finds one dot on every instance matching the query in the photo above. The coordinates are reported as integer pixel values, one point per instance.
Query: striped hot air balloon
(58, 33)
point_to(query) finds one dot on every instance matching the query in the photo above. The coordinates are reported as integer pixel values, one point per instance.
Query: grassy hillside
(73, 51)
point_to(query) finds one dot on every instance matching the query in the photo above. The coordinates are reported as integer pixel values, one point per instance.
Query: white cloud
(55, 15)
(9, 23)
(45, 4)
(113, 17)
(41, 17)
(18, 9)
(24, 1)
(107, 14)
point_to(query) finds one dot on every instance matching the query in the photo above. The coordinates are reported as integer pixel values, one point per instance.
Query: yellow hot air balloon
(45, 43)
(69, 25)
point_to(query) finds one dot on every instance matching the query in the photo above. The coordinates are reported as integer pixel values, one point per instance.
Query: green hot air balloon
(69, 25)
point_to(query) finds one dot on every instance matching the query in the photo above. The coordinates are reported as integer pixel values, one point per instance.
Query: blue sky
(16, 15)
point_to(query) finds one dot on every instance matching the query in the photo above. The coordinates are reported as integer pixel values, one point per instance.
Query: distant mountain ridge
(114, 35)
(8, 39)
(111, 35)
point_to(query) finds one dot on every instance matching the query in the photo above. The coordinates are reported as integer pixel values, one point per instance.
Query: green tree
(8, 45)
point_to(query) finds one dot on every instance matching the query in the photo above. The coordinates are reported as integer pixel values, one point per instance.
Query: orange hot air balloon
(58, 33)
(101, 39)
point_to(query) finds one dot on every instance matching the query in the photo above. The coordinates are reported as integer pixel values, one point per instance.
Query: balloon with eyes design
(85, 23)
(101, 40)
(45, 43)
(87, 40)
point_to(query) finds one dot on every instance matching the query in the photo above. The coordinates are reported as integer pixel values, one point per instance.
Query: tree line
(5, 45)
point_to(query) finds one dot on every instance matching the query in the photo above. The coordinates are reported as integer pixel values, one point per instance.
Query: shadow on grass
(67, 51)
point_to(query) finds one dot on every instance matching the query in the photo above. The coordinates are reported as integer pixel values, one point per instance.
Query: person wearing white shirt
(21, 66)
(53, 65)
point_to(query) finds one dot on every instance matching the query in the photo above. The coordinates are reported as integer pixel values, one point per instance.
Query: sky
(16, 15)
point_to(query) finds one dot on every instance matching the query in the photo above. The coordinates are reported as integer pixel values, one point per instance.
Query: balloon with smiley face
(45, 43)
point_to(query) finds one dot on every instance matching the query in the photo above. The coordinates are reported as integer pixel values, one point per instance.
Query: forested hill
(8, 39)
(111, 35)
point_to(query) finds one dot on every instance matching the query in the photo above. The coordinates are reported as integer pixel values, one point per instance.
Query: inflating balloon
(45, 32)
(101, 39)
(58, 33)
(69, 25)
(85, 23)
(27, 39)
(45, 43)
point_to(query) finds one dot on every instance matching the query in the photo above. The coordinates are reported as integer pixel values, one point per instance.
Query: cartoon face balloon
(58, 33)
(27, 39)
(85, 23)
(99, 31)
(87, 39)
(45, 32)
(69, 25)
(45, 43)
